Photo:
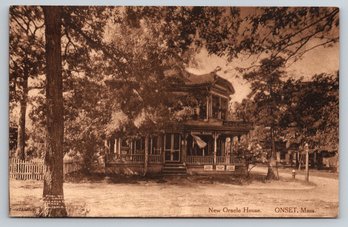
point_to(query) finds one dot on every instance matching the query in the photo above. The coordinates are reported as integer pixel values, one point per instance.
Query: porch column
(106, 143)
(227, 150)
(215, 136)
(160, 146)
(207, 109)
(146, 155)
(115, 146)
(163, 147)
(107, 150)
(234, 149)
(184, 148)
(119, 146)
(131, 147)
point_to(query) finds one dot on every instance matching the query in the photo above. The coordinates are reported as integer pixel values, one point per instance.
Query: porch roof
(226, 127)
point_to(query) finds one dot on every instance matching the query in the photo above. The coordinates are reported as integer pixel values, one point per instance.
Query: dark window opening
(224, 108)
(156, 145)
(216, 106)
(125, 146)
(139, 146)
(203, 109)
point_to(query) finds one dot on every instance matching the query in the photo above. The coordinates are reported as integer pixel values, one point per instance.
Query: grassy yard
(211, 196)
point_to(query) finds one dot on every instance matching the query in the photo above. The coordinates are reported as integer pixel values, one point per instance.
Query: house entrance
(172, 147)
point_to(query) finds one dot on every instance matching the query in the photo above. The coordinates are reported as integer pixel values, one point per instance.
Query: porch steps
(174, 169)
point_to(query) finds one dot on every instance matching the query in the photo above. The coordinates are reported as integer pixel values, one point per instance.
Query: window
(203, 109)
(156, 145)
(125, 146)
(216, 106)
(168, 141)
(224, 108)
(139, 146)
(176, 141)
(220, 147)
(219, 107)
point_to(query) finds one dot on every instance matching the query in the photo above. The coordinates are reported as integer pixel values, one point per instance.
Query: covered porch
(189, 149)
(202, 148)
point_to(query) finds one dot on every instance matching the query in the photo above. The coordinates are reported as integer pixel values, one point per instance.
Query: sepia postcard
(182, 111)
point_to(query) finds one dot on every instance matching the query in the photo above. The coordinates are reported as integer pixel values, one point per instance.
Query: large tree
(74, 46)
(266, 91)
(53, 196)
(26, 61)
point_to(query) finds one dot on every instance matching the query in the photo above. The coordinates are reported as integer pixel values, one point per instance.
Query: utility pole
(307, 161)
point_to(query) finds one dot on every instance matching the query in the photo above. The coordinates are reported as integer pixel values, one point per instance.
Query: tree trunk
(53, 178)
(271, 160)
(20, 152)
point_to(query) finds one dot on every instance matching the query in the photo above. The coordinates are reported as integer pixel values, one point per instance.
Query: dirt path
(185, 197)
(323, 196)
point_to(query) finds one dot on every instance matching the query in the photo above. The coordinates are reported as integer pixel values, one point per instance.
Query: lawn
(187, 196)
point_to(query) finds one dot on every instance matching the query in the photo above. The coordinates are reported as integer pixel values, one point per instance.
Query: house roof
(208, 79)
(187, 79)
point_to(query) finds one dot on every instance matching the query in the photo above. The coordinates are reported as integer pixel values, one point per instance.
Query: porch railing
(221, 160)
(155, 158)
(200, 160)
(134, 158)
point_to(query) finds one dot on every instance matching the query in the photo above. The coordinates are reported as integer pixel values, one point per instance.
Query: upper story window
(224, 108)
(212, 106)
(219, 106)
(203, 109)
(216, 107)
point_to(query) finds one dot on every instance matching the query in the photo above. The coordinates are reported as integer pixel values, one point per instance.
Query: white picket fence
(33, 170)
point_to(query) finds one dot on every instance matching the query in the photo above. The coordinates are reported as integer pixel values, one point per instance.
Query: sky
(316, 61)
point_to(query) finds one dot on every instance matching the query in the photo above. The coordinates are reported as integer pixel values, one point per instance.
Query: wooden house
(205, 143)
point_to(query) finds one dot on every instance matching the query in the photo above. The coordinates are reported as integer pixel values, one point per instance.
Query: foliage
(287, 32)
(308, 113)
(135, 47)
(26, 62)
(26, 48)
(313, 109)
(266, 93)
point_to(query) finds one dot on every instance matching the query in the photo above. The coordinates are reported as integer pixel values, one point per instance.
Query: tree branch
(318, 45)
(332, 14)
